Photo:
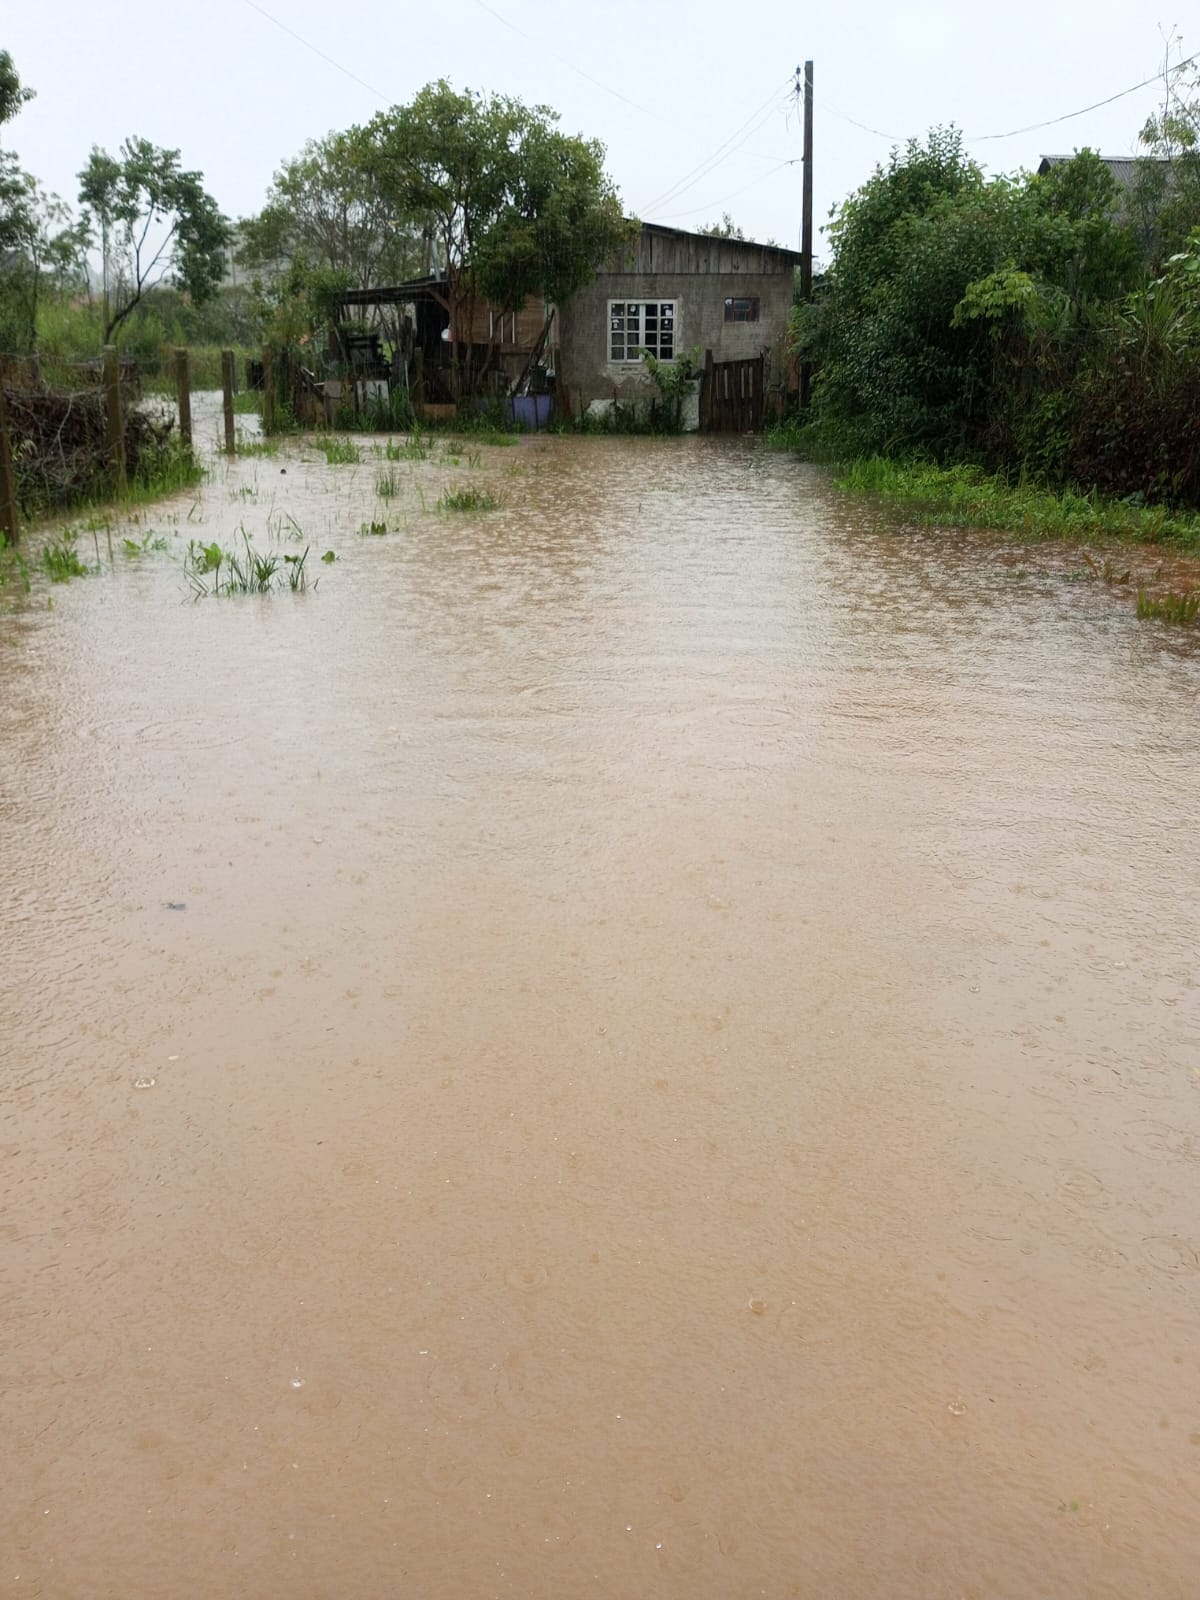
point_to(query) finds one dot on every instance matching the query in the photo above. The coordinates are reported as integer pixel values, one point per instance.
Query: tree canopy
(1030, 322)
(326, 208)
(14, 184)
(152, 217)
(515, 208)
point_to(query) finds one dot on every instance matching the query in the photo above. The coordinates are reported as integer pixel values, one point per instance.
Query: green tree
(153, 217)
(1091, 247)
(12, 94)
(49, 250)
(14, 184)
(1166, 194)
(515, 208)
(941, 279)
(328, 206)
(725, 229)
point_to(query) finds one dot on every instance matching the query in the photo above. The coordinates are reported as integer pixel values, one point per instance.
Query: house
(724, 303)
(674, 293)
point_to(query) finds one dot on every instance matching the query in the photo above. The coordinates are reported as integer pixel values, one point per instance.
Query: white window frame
(634, 333)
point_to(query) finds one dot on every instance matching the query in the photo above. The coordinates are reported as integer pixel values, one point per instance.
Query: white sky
(663, 85)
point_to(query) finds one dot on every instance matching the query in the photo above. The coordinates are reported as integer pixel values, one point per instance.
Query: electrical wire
(979, 138)
(754, 182)
(724, 150)
(308, 45)
(1012, 133)
(570, 65)
(843, 116)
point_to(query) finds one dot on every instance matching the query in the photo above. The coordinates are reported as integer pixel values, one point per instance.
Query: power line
(1032, 127)
(570, 65)
(724, 150)
(317, 51)
(754, 182)
(854, 122)
(978, 138)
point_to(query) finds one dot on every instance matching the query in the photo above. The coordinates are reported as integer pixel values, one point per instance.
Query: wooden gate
(733, 401)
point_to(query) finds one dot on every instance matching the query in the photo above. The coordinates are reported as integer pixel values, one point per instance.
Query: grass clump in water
(387, 485)
(469, 498)
(414, 448)
(61, 560)
(1173, 607)
(212, 570)
(373, 529)
(148, 542)
(244, 445)
(340, 452)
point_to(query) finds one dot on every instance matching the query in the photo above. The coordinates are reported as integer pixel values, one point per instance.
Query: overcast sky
(691, 100)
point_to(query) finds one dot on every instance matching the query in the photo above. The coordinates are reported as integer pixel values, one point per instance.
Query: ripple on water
(1169, 1253)
(1162, 1141)
(461, 1392)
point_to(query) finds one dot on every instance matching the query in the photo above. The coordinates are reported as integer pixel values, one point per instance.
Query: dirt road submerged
(639, 1043)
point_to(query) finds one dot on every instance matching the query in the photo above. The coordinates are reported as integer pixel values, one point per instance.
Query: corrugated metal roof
(685, 233)
(1123, 168)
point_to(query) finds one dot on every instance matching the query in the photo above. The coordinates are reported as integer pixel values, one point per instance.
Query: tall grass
(1171, 607)
(967, 496)
(60, 559)
(469, 498)
(339, 452)
(211, 570)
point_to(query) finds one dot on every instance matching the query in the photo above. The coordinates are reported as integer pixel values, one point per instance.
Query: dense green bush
(1019, 323)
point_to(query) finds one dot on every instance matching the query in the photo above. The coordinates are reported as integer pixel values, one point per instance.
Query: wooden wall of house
(653, 252)
(520, 330)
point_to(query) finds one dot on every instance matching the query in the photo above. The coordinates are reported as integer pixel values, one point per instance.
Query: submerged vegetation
(339, 452)
(1170, 607)
(60, 559)
(469, 498)
(211, 570)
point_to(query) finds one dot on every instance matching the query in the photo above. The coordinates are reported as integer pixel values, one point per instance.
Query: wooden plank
(227, 382)
(183, 390)
(114, 415)
(9, 526)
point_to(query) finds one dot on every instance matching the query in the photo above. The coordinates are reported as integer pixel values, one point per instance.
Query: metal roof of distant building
(1123, 168)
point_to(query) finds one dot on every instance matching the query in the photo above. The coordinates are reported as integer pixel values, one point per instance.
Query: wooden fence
(117, 376)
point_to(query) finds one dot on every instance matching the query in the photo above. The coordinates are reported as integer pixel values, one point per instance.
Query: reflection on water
(643, 1044)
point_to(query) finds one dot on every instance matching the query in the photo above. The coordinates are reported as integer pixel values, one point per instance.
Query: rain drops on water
(297, 1383)
(144, 1083)
(957, 1408)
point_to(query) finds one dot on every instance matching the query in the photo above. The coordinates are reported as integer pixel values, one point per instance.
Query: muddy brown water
(677, 1073)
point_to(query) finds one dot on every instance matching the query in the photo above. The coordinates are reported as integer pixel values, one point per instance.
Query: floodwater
(640, 1044)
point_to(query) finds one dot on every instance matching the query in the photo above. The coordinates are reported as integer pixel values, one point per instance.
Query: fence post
(115, 438)
(417, 392)
(268, 410)
(183, 389)
(706, 383)
(8, 487)
(228, 380)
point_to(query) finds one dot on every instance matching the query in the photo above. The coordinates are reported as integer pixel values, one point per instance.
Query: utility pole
(806, 222)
